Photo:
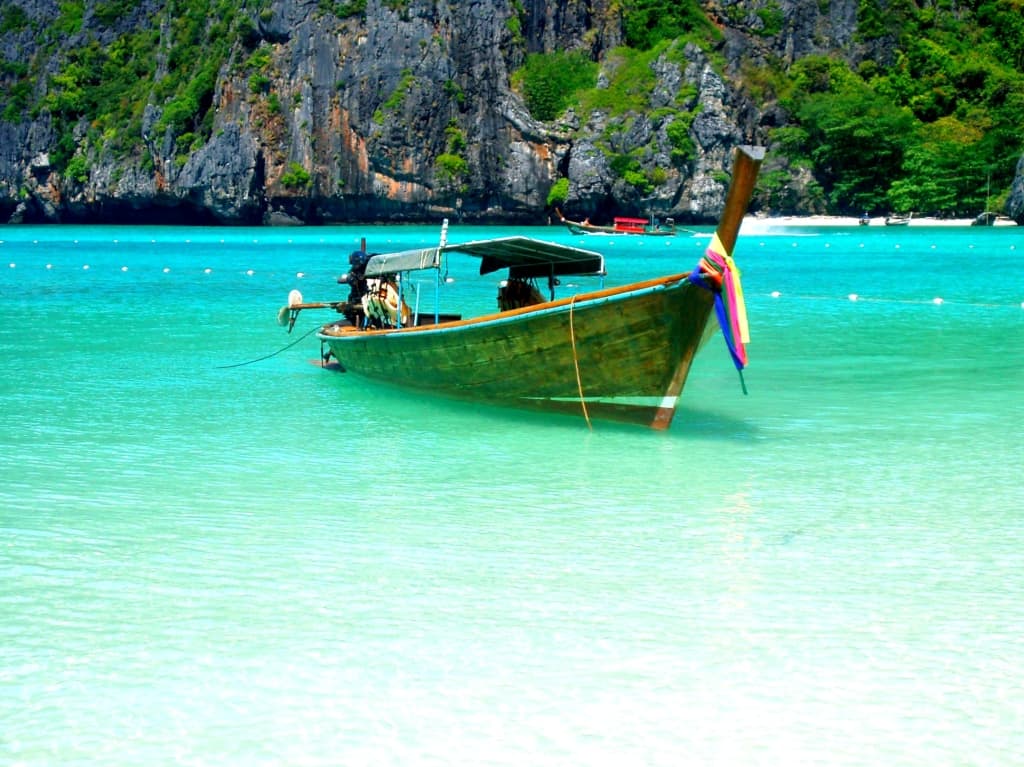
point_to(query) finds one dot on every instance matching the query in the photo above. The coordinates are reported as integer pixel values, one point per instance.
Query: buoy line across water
(775, 294)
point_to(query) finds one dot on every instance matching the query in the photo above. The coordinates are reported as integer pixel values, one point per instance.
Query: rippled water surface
(207, 562)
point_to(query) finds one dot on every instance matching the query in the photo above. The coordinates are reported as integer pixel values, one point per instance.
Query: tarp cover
(524, 257)
(403, 261)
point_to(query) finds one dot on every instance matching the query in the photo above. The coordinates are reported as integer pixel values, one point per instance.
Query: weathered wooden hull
(620, 354)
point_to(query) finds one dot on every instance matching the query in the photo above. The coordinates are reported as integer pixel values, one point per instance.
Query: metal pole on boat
(401, 300)
(437, 271)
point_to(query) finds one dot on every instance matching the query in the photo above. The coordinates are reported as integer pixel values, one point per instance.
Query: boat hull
(620, 354)
(578, 228)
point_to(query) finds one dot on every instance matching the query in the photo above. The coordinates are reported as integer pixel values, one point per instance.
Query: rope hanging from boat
(272, 354)
(718, 273)
(576, 362)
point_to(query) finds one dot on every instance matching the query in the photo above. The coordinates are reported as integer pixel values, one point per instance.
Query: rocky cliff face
(1015, 205)
(405, 112)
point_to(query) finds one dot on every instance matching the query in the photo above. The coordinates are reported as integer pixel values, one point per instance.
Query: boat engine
(355, 278)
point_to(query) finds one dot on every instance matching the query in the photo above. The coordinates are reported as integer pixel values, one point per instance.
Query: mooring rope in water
(272, 354)
(576, 363)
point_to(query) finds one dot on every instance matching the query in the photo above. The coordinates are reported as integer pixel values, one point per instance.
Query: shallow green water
(269, 564)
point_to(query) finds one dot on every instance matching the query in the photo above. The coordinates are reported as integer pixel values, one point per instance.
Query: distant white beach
(760, 221)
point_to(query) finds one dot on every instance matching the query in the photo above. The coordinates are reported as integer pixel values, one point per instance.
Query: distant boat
(864, 220)
(988, 218)
(621, 225)
(898, 220)
(620, 353)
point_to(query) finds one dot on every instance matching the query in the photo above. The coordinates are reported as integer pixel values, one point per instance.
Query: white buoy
(86, 266)
(250, 272)
(776, 294)
(207, 270)
(124, 268)
(853, 296)
(936, 300)
(294, 298)
(167, 269)
(300, 275)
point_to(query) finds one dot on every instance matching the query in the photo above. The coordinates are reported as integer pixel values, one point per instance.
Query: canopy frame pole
(437, 271)
(401, 300)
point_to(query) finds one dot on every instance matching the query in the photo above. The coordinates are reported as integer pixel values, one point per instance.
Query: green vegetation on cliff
(929, 132)
(930, 125)
(932, 131)
(171, 60)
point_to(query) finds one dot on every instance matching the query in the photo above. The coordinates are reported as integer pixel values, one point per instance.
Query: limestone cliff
(391, 110)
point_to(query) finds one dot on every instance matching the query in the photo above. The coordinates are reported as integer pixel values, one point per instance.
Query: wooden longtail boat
(619, 353)
(898, 220)
(622, 225)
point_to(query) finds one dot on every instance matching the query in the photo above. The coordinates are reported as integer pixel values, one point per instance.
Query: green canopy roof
(524, 257)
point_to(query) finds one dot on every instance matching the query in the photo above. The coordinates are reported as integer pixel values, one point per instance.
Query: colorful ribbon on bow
(730, 307)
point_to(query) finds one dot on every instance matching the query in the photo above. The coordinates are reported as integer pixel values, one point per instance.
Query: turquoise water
(204, 562)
